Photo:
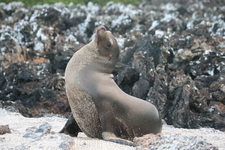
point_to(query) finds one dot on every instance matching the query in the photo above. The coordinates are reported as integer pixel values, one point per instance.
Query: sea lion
(100, 108)
(71, 127)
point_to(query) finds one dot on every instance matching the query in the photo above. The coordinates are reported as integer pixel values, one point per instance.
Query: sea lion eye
(109, 44)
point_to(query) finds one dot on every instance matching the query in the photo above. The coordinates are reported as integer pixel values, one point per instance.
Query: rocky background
(172, 54)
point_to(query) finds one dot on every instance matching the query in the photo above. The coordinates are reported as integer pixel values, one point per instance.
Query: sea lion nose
(99, 28)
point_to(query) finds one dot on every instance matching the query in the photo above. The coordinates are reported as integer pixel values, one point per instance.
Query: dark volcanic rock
(36, 92)
(125, 77)
(140, 92)
(182, 92)
(172, 55)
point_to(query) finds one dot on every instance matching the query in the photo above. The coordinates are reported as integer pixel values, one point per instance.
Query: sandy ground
(42, 133)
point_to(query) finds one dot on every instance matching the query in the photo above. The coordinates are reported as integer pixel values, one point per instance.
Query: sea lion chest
(79, 82)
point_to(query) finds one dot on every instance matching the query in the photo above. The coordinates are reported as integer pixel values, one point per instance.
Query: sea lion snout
(99, 28)
(99, 34)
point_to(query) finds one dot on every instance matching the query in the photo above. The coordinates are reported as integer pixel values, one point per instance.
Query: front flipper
(113, 138)
(71, 128)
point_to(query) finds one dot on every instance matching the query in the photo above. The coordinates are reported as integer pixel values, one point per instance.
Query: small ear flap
(99, 31)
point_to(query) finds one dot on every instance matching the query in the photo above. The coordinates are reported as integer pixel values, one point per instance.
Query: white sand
(21, 126)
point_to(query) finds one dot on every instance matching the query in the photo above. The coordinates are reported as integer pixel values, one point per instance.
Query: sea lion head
(106, 43)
